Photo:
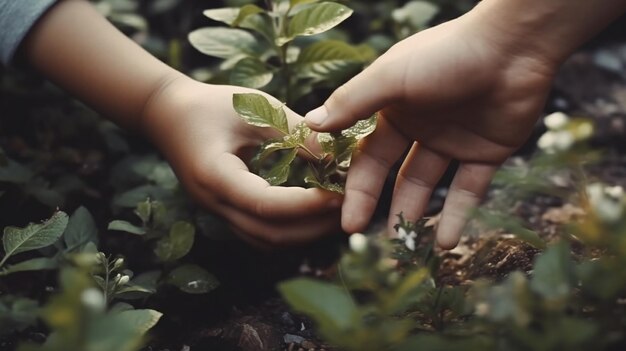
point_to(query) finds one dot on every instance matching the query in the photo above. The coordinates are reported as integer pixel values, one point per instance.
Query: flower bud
(358, 242)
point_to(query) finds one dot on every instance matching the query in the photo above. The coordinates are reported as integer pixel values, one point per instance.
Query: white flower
(564, 140)
(358, 242)
(410, 243)
(552, 141)
(402, 233)
(546, 141)
(556, 120)
(93, 299)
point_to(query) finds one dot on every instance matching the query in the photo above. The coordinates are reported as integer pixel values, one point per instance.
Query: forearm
(549, 29)
(78, 49)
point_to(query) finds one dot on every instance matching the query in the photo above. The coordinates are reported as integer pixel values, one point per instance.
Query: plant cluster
(572, 299)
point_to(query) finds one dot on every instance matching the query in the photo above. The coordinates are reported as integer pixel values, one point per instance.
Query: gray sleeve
(16, 19)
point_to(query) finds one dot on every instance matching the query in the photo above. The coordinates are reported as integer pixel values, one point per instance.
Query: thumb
(359, 98)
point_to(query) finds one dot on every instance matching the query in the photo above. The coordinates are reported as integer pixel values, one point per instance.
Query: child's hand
(206, 142)
(452, 93)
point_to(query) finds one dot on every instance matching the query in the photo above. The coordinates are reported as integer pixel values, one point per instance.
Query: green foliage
(79, 321)
(261, 48)
(17, 313)
(34, 236)
(326, 170)
(192, 279)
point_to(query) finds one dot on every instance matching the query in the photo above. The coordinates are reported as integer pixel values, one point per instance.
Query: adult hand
(206, 143)
(452, 92)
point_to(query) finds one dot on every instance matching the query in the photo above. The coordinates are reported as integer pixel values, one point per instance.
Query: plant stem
(4, 259)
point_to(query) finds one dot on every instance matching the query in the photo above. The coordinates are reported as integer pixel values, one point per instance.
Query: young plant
(173, 239)
(262, 49)
(326, 170)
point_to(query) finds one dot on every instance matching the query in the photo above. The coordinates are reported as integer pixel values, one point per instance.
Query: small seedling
(326, 170)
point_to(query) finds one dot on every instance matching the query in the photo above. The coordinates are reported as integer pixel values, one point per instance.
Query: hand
(452, 93)
(206, 142)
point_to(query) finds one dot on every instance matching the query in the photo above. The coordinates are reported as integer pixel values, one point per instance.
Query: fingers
(468, 187)
(260, 232)
(359, 98)
(232, 182)
(369, 168)
(418, 175)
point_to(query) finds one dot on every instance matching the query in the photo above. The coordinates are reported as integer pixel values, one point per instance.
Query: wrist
(164, 100)
(546, 32)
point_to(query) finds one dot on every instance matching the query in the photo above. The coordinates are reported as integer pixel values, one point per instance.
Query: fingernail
(317, 116)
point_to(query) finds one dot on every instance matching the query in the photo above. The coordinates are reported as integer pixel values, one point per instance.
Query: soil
(245, 312)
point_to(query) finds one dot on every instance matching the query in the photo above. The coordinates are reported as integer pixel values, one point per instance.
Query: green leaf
(301, 2)
(14, 172)
(224, 42)
(409, 291)
(298, 135)
(280, 170)
(125, 226)
(140, 321)
(256, 110)
(17, 313)
(553, 273)
(417, 14)
(33, 236)
(139, 286)
(314, 20)
(177, 243)
(193, 279)
(326, 185)
(328, 59)
(361, 129)
(267, 148)
(330, 306)
(245, 12)
(81, 229)
(262, 24)
(250, 72)
(226, 15)
(35, 264)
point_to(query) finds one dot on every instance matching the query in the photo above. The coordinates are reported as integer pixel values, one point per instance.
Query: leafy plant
(326, 170)
(262, 48)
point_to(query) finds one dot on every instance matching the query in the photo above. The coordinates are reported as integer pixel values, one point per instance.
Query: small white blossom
(556, 120)
(410, 243)
(358, 242)
(552, 141)
(118, 263)
(564, 140)
(93, 299)
(124, 280)
(402, 233)
(546, 141)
